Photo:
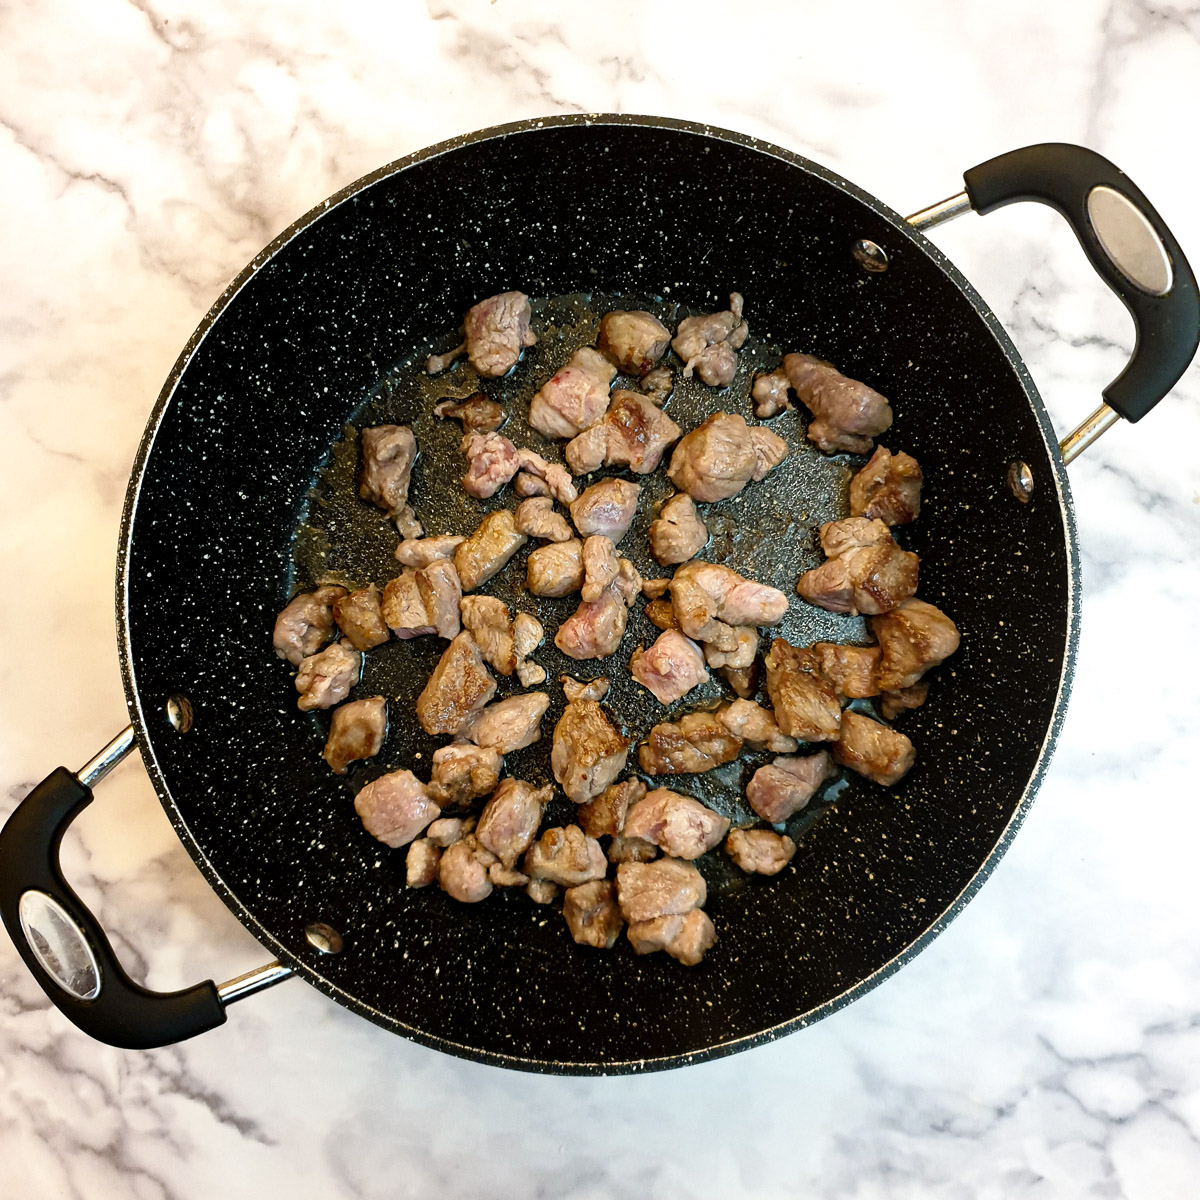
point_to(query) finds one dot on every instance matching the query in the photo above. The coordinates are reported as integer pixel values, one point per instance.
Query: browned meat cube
(657, 385)
(325, 679)
(634, 341)
(306, 624)
(388, 455)
(913, 637)
(528, 635)
(606, 508)
(633, 433)
(360, 618)
(892, 704)
(760, 851)
(511, 817)
(542, 891)
(711, 602)
(786, 785)
(805, 702)
(663, 888)
(662, 614)
(403, 607)
(595, 629)
(686, 938)
(743, 680)
(555, 479)
(462, 772)
(770, 394)
(463, 871)
(356, 732)
(536, 518)
(395, 807)
(527, 484)
(441, 594)
(888, 488)
(576, 689)
(510, 724)
(741, 646)
(670, 668)
(492, 461)
(556, 569)
(487, 551)
(708, 345)
(592, 913)
(697, 742)
(846, 414)
(678, 533)
(874, 750)
(605, 816)
(477, 413)
(497, 330)
(421, 864)
(756, 726)
(420, 552)
(575, 397)
(718, 458)
(502, 876)
(653, 589)
(601, 566)
(488, 622)
(680, 826)
(445, 831)
(588, 753)
(623, 849)
(566, 856)
(866, 571)
(853, 670)
(458, 688)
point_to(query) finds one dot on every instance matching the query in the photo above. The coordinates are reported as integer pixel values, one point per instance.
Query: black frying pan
(237, 499)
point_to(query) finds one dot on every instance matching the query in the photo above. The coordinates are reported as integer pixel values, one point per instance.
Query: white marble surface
(1047, 1045)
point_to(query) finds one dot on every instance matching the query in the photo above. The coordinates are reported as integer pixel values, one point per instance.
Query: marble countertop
(1047, 1044)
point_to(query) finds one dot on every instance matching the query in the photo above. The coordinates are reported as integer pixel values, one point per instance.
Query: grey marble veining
(1047, 1044)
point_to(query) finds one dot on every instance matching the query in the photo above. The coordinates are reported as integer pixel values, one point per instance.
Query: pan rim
(142, 721)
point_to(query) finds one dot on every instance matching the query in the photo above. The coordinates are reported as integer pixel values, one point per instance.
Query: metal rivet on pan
(179, 713)
(869, 256)
(324, 937)
(1020, 480)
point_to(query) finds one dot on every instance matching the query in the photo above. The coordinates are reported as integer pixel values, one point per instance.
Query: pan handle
(1127, 243)
(63, 944)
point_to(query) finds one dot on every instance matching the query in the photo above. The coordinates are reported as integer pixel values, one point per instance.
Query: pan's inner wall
(573, 209)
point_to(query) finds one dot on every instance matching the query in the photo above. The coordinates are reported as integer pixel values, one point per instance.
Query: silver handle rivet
(179, 713)
(870, 256)
(323, 937)
(1020, 480)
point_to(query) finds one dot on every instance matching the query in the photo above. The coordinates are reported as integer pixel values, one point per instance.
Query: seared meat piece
(696, 742)
(510, 724)
(458, 688)
(462, 772)
(556, 569)
(556, 478)
(542, 891)
(487, 551)
(741, 679)
(488, 622)
(421, 864)
(388, 455)
(786, 785)
(846, 414)
(657, 385)
(395, 807)
(711, 601)
(718, 458)
(632, 432)
(756, 726)
(866, 572)
(853, 670)
(536, 518)
(670, 668)
(441, 594)
(511, 817)
(575, 397)
(888, 488)
(595, 628)
(892, 704)
(325, 679)
(528, 635)
(463, 871)
(356, 732)
(588, 753)
(566, 856)
(502, 876)
(678, 533)
(662, 614)
(708, 345)
(403, 606)
(628, 583)
(760, 851)
(740, 657)
(435, 364)
(805, 702)
(306, 624)
(600, 567)
(664, 888)
(913, 637)
(497, 330)
(526, 485)
(653, 589)
(605, 816)
(477, 413)
(576, 689)
(873, 749)
(360, 618)
(606, 508)
(686, 938)
(681, 826)
(491, 462)
(622, 849)
(421, 552)
(592, 913)
(770, 393)
(445, 831)
(635, 341)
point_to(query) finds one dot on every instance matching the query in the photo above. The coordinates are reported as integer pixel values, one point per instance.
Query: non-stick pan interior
(240, 460)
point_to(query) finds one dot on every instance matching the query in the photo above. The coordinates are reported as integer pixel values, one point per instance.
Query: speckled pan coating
(298, 345)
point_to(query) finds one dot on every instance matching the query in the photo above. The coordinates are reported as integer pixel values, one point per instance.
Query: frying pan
(239, 497)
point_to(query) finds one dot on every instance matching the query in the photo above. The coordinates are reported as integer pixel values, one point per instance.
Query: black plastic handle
(1167, 325)
(123, 1013)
